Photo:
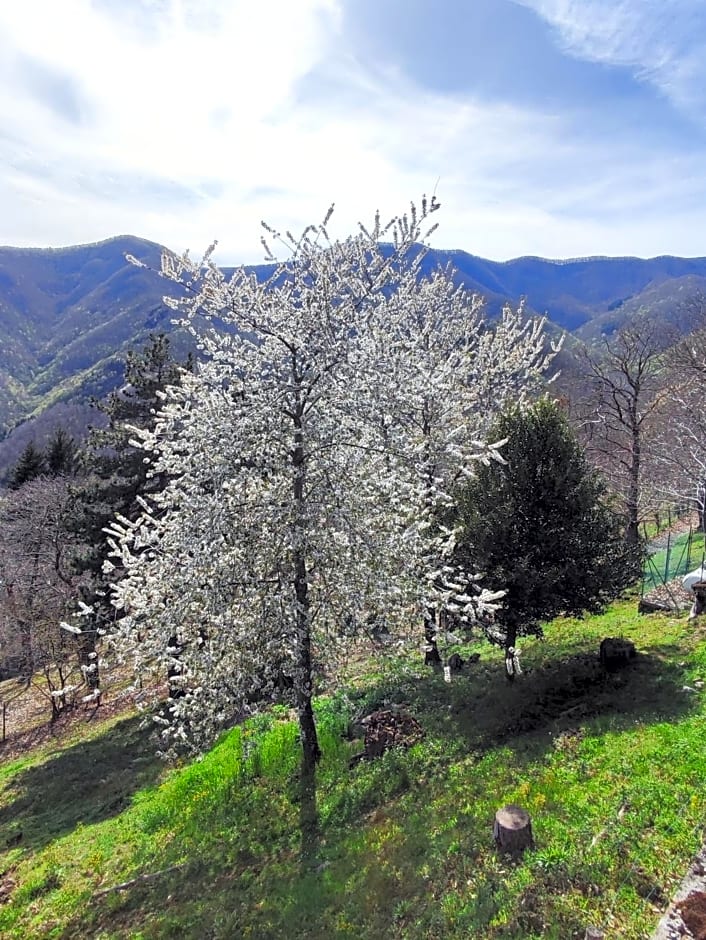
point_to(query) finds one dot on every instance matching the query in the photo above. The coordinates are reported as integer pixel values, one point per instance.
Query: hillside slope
(101, 840)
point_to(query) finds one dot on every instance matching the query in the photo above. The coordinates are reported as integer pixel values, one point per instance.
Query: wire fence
(671, 557)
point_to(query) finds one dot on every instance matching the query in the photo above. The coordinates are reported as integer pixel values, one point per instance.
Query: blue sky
(559, 128)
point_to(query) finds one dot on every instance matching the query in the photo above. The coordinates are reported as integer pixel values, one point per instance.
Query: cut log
(647, 606)
(512, 829)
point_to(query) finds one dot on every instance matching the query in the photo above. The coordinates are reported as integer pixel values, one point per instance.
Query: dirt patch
(386, 729)
(7, 886)
(27, 738)
(688, 909)
(693, 913)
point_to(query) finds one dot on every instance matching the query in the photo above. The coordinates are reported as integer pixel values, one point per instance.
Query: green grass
(610, 768)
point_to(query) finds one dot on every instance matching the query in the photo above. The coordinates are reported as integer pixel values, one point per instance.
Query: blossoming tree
(451, 374)
(306, 458)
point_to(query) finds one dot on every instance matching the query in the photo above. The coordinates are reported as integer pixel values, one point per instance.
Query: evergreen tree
(116, 472)
(60, 454)
(30, 465)
(538, 528)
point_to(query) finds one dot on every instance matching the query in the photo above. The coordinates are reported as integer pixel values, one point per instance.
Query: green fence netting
(680, 555)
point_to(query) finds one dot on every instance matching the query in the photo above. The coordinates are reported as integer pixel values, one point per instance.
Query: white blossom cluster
(309, 461)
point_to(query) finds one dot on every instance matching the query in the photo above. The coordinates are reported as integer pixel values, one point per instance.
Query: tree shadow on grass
(255, 877)
(480, 710)
(86, 783)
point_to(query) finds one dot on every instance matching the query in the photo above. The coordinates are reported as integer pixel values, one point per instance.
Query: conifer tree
(116, 474)
(60, 453)
(30, 465)
(538, 527)
(116, 469)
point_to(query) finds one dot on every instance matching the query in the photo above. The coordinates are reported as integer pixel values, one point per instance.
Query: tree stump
(616, 653)
(512, 829)
(455, 663)
(699, 604)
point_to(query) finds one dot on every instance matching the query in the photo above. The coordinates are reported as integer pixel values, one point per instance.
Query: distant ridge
(68, 315)
(54, 249)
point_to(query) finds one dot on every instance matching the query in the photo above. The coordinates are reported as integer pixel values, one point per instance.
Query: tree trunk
(511, 664)
(699, 605)
(512, 829)
(307, 726)
(25, 632)
(431, 650)
(632, 530)
(303, 684)
(88, 661)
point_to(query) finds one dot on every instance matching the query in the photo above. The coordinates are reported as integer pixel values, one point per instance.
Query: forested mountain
(65, 317)
(68, 315)
(572, 292)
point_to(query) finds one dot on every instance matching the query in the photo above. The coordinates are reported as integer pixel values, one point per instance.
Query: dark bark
(699, 604)
(510, 655)
(303, 685)
(25, 633)
(512, 829)
(88, 660)
(632, 532)
(307, 726)
(431, 650)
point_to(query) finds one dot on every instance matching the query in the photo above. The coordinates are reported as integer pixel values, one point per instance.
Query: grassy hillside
(609, 766)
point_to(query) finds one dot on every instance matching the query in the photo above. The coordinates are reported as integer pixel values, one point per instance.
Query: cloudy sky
(559, 128)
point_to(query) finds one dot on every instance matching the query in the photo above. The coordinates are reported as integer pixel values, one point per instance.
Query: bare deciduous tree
(682, 440)
(39, 591)
(627, 392)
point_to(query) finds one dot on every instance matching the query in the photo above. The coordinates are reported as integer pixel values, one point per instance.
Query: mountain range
(69, 315)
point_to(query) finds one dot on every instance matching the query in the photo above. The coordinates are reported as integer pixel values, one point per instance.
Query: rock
(648, 606)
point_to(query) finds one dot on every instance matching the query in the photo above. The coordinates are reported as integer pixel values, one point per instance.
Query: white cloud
(662, 42)
(188, 120)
